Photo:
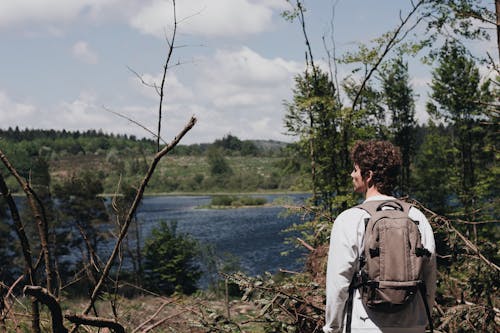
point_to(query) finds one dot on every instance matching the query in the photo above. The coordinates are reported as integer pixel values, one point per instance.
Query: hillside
(226, 165)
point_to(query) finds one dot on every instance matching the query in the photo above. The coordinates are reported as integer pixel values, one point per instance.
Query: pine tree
(399, 98)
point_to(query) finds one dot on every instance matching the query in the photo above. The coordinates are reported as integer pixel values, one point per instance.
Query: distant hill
(248, 165)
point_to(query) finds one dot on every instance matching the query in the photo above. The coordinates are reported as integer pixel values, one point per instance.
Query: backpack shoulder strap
(371, 207)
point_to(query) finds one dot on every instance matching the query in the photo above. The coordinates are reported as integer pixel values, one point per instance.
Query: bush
(170, 261)
(235, 201)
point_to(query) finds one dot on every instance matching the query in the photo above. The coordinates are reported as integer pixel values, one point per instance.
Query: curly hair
(380, 157)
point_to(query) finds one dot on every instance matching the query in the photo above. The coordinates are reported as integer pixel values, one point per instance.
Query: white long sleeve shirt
(345, 248)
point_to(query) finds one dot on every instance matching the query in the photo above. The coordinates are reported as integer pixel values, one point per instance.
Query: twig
(304, 244)
(153, 316)
(287, 271)
(134, 122)
(9, 292)
(151, 327)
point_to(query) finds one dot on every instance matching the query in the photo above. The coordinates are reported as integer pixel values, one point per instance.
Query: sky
(74, 64)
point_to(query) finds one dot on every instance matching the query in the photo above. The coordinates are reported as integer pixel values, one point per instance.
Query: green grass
(181, 174)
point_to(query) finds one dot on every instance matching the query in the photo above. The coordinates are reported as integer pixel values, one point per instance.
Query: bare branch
(164, 304)
(134, 122)
(46, 298)
(390, 44)
(165, 68)
(441, 220)
(133, 208)
(304, 244)
(95, 321)
(39, 215)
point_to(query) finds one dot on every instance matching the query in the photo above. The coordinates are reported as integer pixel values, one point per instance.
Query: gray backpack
(392, 260)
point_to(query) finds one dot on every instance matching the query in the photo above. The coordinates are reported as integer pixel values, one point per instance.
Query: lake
(254, 235)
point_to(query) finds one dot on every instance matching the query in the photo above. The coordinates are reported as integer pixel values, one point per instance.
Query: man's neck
(372, 191)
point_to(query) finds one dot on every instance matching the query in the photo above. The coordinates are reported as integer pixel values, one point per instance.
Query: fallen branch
(46, 298)
(153, 326)
(95, 321)
(442, 220)
(304, 244)
(153, 316)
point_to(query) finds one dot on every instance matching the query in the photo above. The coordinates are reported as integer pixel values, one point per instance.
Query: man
(376, 166)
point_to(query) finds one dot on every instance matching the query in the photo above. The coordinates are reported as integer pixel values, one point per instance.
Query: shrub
(170, 261)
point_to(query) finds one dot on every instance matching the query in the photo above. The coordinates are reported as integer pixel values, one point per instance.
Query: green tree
(80, 211)
(399, 98)
(170, 260)
(457, 90)
(315, 117)
(434, 169)
(218, 163)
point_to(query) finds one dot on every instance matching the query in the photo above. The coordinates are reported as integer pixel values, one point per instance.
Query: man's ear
(369, 178)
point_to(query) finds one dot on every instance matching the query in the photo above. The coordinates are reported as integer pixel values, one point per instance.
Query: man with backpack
(381, 273)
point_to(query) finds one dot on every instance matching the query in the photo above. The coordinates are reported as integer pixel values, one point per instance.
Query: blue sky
(63, 63)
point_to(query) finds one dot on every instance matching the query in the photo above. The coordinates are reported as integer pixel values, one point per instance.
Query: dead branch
(158, 323)
(7, 308)
(25, 248)
(441, 220)
(46, 298)
(95, 322)
(165, 68)
(390, 44)
(153, 316)
(39, 214)
(135, 123)
(140, 192)
(304, 244)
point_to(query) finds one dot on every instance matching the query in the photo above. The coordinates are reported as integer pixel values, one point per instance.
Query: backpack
(391, 262)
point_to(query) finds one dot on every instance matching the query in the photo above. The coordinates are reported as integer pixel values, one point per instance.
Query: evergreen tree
(456, 87)
(170, 261)
(400, 101)
(316, 118)
(80, 212)
(434, 169)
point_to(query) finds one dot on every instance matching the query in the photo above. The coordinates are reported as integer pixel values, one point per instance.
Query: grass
(179, 174)
(178, 313)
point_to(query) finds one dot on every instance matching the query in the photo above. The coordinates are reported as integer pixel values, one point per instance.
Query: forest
(448, 170)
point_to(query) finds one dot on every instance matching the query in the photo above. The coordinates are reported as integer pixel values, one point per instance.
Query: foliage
(399, 98)
(236, 201)
(218, 163)
(456, 88)
(80, 211)
(170, 261)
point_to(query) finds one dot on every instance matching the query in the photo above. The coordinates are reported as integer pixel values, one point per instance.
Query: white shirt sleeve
(342, 264)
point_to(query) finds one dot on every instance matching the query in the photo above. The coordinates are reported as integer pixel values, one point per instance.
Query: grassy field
(182, 174)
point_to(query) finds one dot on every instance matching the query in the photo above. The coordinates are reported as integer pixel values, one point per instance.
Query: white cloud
(233, 91)
(18, 12)
(15, 113)
(82, 51)
(244, 78)
(214, 18)
(243, 92)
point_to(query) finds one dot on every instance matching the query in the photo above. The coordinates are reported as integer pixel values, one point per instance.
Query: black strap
(423, 292)
(349, 308)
